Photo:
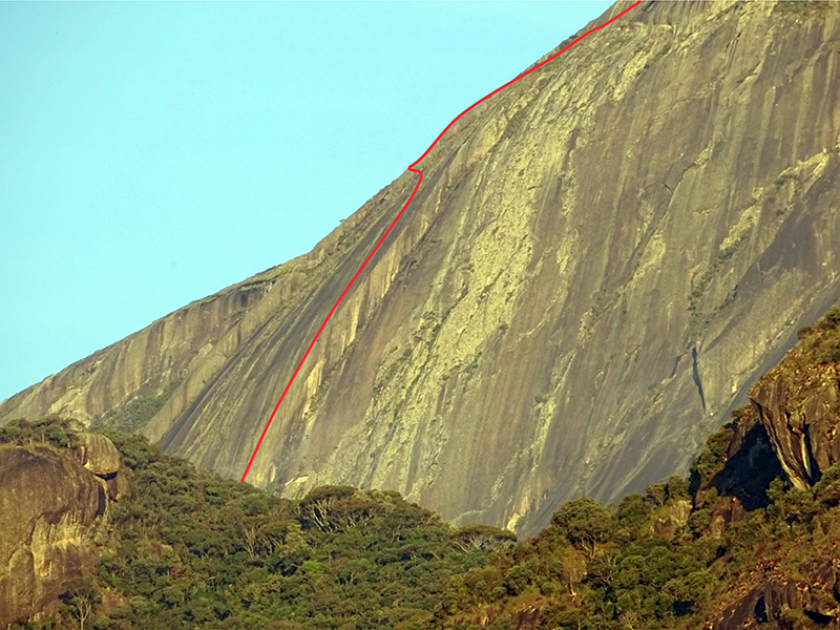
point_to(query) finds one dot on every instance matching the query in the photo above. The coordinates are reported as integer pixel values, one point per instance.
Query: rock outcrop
(50, 510)
(668, 519)
(600, 262)
(784, 602)
(799, 406)
(99, 455)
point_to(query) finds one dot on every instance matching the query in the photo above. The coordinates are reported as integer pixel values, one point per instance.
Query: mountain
(600, 262)
(126, 537)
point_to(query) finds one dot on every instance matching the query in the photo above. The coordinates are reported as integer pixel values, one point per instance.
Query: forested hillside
(737, 544)
(188, 549)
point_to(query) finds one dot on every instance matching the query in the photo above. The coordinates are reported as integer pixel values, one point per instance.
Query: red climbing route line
(397, 218)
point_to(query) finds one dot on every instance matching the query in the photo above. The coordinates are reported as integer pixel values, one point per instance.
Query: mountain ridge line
(405, 206)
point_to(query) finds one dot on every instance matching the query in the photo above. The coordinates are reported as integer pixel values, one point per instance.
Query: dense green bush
(53, 430)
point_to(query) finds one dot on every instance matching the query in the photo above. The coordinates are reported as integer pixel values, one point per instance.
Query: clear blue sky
(152, 153)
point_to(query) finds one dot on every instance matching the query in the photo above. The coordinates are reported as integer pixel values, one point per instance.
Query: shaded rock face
(600, 262)
(748, 467)
(50, 507)
(769, 605)
(526, 619)
(800, 409)
(725, 510)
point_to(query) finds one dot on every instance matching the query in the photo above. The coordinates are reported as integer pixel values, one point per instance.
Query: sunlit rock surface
(50, 508)
(100, 456)
(600, 262)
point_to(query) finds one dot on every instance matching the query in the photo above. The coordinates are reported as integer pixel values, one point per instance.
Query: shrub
(832, 318)
(498, 593)
(584, 522)
(827, 489)
(518, 578)
(791, 506)
(656, 494)
(712, 459)
(53, 430)
(676, 488)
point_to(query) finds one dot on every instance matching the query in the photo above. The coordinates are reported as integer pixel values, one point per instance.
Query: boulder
(798, 404)
(669, 518)
(99, 455)
(50, 507)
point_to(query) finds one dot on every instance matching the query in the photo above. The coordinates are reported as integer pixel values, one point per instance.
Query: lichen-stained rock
(50, 507)
(100, 456)
(600, 262)
(724, 511)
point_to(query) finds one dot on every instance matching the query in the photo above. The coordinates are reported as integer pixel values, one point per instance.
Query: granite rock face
(766, 605)
(50, 509)
(101, 457)
(798, 403)
(600, 262)
(800, 409)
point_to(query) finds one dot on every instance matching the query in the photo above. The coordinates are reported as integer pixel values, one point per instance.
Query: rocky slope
(799, 403)
(794, 417)
(749, 540)
(51, 508)
(600, 262)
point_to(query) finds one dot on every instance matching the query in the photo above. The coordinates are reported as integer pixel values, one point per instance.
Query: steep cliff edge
(799, 403)
(51, 509)
(601, 261)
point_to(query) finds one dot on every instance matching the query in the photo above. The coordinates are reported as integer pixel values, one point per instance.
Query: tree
(689, 593)
(517, 578)
(633, 513)
(676, 488)
(827, 489)
(482, 537)
(656, 495)
(792, 506)
(251, 526)
(317, 507)
(584, 522)
(81, 597)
